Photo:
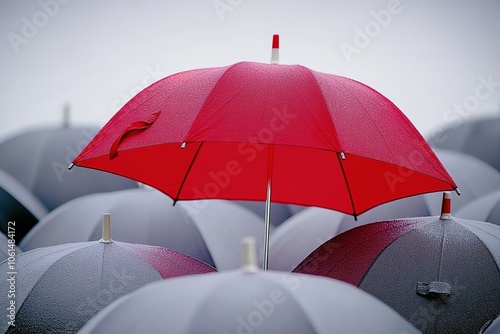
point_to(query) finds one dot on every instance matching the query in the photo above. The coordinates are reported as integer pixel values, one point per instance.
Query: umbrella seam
(77, 247)
(332, 123)
(485, 231)
(209, 95)
(187, 173)
(348, 188)
(382, 251)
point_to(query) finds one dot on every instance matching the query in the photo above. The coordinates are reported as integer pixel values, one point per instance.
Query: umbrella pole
(267, 231)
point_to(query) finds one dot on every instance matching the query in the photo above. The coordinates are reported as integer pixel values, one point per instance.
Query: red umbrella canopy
(323, 139)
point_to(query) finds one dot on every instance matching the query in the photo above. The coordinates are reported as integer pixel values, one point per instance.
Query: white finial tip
(249, 255)
(106, 229)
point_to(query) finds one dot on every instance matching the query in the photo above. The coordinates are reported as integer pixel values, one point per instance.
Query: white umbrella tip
(275, 50)
(106, 229)
(249, 255)
(446, 206)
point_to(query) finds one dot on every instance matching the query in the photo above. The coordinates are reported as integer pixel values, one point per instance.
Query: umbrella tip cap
(106, 229)
(275, 49)
(276, 41)
(446, 206)
(249, 255)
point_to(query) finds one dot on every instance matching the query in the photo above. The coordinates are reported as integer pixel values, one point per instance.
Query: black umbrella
(440, 273)
(18, 206)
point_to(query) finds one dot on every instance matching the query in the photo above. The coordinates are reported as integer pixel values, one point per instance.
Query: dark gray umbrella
(248, 301)
(486, 209)
(480, 138)
(57, 289)
(38, 159)
(19, 205)
(208, 230)
(8, 249)
(441, 274)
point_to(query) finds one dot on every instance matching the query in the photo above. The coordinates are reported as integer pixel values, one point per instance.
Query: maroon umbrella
(441, 273)
(238, 131)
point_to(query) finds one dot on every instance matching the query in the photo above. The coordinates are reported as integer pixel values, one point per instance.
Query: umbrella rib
(348, 188)
(187, 172)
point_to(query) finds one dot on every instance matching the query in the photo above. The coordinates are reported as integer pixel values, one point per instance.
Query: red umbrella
(230, 132)
(441, 273)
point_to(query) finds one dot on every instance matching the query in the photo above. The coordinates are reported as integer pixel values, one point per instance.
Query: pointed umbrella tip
(249, 255)
(106, 229)
(275, 50)
(446, 206)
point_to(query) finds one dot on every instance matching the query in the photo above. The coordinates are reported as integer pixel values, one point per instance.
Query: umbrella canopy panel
(330, 140)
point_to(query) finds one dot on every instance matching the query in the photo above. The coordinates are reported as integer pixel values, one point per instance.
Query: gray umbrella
(8, 249)
(38, 159)
(441, 273)
(19, 205)
(248, 301)
(208, 230)
(57, 289)
(486, 209)
(480, 138)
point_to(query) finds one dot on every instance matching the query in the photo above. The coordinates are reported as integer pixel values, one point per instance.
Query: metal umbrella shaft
(270, 159)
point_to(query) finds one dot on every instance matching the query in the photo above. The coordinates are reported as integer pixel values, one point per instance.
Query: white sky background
(96, 54)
